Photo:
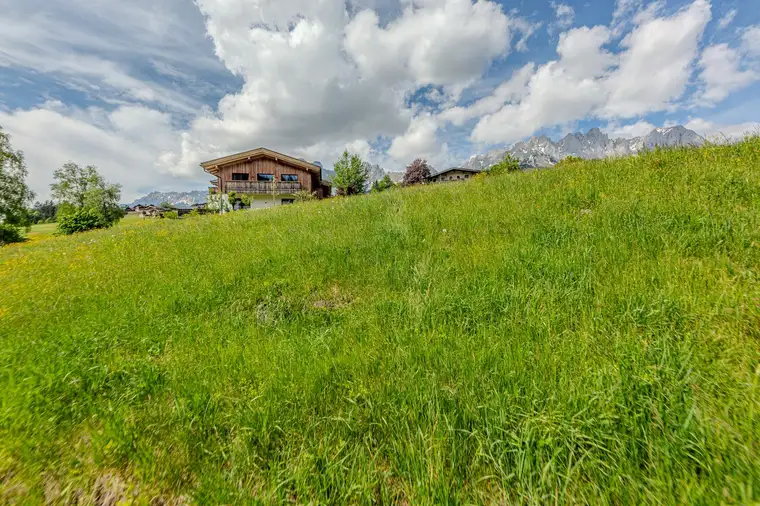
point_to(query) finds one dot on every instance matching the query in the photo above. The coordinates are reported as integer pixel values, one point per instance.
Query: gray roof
(461, 169)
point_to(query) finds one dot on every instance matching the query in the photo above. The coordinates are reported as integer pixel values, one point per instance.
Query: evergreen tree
(351, 174)
(383, 184)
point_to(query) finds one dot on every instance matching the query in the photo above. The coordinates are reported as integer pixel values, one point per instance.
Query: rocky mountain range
(543, 152)
(178, 199)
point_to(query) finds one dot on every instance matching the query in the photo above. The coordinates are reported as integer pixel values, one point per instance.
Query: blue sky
(148, 89)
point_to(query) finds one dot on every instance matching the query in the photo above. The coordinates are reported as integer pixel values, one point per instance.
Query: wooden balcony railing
(261, 187)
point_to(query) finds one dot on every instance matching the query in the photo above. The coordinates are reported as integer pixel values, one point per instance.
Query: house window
(290, 178)
(264, 177)
(288, 201)
(240, 176)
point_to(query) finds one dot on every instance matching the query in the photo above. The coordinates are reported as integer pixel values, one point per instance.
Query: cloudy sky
(147, 89)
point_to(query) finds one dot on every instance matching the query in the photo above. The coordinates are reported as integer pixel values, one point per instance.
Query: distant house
(268, 177)
(149, 210)
(452, 174)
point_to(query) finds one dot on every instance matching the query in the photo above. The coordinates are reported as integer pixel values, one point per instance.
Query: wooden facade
(262, 172)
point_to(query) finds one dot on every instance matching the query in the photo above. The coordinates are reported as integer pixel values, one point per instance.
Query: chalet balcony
(262, 187)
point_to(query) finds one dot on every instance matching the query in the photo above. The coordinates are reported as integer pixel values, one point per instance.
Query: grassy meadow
(587, 334)
(47, 230)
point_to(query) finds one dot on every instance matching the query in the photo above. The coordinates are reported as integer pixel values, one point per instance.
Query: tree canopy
(44, 212)
(508, 164)
(417, 172)
(386, 183)
(351, 174)
(15, 195)
(79, 189)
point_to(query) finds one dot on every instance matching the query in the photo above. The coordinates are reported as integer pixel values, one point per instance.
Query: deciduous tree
(15, 195)
(44, 212)
(83, 188)
(417, 172)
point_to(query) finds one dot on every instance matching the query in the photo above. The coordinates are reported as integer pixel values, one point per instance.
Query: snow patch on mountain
(177, 199)
(541, 151)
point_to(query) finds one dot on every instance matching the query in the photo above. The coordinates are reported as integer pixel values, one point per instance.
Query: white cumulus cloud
(125, 144)
(718, 132)
(649, 74)
(723, 73)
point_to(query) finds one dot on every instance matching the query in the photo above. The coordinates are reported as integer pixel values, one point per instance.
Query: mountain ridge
(178, 199)
(541, 151)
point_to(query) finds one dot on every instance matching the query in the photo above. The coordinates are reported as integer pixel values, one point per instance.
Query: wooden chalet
(269, 177)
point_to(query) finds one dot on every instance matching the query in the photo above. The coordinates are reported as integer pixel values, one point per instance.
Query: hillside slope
(588, 334)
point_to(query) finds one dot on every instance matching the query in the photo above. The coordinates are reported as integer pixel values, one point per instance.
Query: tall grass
(588, 334)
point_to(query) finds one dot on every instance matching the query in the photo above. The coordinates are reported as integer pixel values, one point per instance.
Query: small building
(148, 210)
(267, 177)
(452, 174)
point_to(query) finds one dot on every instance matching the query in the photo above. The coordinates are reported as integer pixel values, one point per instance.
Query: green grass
(47, 230)
(589, 334)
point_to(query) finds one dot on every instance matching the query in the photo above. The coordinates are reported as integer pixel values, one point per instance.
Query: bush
(172, 215)
(507, 165)
(79, 220)
(245, 199)
(9, 234)
(304, 196)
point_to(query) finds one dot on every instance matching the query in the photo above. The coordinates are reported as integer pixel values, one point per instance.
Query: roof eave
(213, 165)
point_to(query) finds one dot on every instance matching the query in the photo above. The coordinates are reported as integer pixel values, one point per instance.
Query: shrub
(245, 199)
(9, 233)
(194, 213)
(79, 220)
(172, 215)
(507, 165)
(218, 202)
(304, 196)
